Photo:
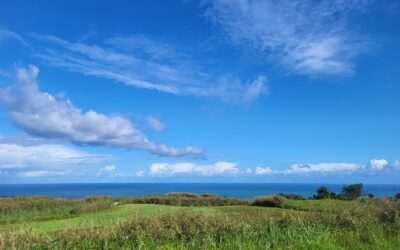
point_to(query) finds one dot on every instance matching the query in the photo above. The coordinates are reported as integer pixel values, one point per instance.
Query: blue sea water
(238, 190)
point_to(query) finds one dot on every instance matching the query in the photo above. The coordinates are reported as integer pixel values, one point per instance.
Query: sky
(200, 91)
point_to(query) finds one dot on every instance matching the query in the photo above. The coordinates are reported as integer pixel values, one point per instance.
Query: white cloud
(249, 171)
(139, 173)
(43, 115)
(148, 64)
(263, 171)
(322, 168)
(305, 36)
(8, 34)
(111, 171)
(378, 164)
(218, 168)
(107, 169)
(396, 164)
(155, 123)
(15, 156)
(41, 173)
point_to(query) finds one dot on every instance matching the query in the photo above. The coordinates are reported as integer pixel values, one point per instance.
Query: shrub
(186, 199)
(269, 201)
(322, 193)
(397, 196)
(182, 194)
(351, 192)
(293, 196)
(207, 195)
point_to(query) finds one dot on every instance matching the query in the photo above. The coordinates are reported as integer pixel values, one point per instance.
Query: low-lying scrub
(293, 196)
(13, 209)
(269, 201)
(186, 199)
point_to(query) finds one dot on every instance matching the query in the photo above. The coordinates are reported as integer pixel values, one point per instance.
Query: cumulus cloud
(107, 169)
(155, 123)
(43, 115)
(148, 64)
(305, 36)
(222, 168)
(322, 168)
(111, 171)
(218, 168)
(378, 164)
(15, 156)
(263, 171)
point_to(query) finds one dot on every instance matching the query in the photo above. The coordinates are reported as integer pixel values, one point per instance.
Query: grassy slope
(317, 204)
(122, 212)
(288, 231)
(104, 217)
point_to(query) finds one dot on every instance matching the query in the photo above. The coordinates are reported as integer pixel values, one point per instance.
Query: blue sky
(200, 91)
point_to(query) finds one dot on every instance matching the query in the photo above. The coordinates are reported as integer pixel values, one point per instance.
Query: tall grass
(18, 209)
(186, 199)
(14, 209)
(371, 224)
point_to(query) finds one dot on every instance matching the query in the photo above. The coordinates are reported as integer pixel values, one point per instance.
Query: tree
(322, 193)
(351, 192)
(397, 196)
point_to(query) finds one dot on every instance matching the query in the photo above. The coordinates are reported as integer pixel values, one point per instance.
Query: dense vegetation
(199, 222)
(349, 192)
(186, 199)
(14, 209)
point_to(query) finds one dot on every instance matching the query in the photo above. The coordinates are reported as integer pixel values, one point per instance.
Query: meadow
(190, 221)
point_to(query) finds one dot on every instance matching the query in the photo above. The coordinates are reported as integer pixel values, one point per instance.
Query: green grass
(104, 217)
(299, 224)
(317, 204)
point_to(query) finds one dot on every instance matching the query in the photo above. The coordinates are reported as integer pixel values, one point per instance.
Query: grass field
(299, 224)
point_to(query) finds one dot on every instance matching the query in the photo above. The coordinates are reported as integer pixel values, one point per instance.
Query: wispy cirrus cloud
(155, 123)
(6, 34)
(144, 63)
(304, 36)
(43, 115)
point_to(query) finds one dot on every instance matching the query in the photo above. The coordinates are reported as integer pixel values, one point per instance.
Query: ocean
(238, 190)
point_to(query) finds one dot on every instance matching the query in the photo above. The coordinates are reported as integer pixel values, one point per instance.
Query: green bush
(207, 195)
(323, 193)
(269, 201)
(182, 194)
(293, 196)
(186, 199)
(351, 192)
